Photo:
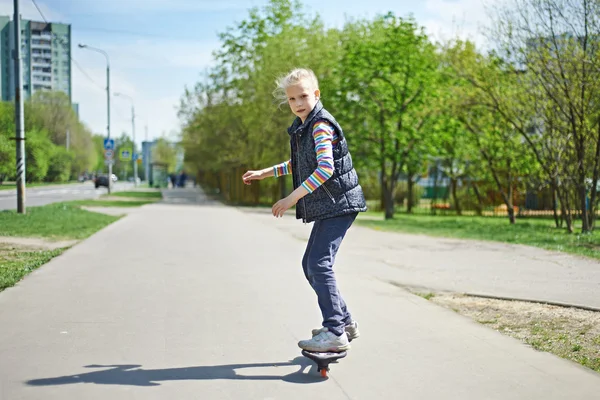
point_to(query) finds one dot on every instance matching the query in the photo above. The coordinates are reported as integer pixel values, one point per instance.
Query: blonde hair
(293, 78)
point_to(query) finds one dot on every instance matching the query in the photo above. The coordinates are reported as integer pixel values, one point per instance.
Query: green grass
(532, 232)
(14, 264)
(55, 221)
(426, 296)
(110, 203)
(139, 194)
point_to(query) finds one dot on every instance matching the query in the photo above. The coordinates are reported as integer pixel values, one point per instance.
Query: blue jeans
(325, 240)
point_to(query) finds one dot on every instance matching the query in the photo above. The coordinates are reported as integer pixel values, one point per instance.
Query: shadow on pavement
(134, 375)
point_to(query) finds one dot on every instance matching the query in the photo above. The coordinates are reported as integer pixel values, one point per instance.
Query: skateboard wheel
(324, 373)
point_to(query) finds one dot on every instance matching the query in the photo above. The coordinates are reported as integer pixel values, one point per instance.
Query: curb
(551, 303)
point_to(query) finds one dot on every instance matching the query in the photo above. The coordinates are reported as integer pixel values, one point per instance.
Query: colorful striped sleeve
(325, 138)
(285, 168)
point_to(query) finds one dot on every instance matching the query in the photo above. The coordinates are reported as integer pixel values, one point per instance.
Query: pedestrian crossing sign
(125, 154)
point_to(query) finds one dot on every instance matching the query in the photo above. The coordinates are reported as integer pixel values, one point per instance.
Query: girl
(326, 191)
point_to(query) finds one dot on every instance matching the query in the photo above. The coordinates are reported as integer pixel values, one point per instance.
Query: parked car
(101, 180)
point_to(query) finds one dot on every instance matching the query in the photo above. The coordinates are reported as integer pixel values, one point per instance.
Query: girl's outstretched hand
(251, 176)
(283, 205)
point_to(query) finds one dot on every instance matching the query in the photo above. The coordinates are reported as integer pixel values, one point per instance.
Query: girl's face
(302, 98)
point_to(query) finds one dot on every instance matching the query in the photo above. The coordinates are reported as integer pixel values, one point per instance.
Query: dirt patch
(25, 244)
(570, 333)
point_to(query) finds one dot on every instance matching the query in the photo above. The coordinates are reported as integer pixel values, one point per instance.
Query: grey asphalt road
(208, 302)
(42, 195)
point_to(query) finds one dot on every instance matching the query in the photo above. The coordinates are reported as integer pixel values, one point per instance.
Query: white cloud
(451, 18)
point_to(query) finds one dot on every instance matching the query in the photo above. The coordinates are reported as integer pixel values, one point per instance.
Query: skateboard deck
(323, 359)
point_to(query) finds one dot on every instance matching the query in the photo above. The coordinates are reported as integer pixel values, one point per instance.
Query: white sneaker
(351, 331)
(326, 341)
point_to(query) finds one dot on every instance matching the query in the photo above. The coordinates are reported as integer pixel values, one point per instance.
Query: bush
(60, 165)
(37, 155)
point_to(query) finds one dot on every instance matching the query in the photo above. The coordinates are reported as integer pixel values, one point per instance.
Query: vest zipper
(299, 177)
(328, 193)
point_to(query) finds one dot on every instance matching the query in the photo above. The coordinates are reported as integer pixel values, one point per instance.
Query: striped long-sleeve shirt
(325, 138)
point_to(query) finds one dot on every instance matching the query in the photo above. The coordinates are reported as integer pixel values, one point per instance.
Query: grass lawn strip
(122, 199)
(16, 261)
(21, 253)
(537, 232)
(110, 203)
(139, 194)
(54, 221)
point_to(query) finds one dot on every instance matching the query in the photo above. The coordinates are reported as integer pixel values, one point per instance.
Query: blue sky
(157, 47)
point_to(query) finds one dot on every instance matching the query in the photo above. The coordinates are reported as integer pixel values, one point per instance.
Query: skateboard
(323, 359)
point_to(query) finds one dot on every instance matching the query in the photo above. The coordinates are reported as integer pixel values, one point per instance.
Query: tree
(7, 145)
(165, 153)
(59, 169)
(37, 155)
(554, 44)
(230, 119)
(388, 72)
(53, 113)
(498, 143)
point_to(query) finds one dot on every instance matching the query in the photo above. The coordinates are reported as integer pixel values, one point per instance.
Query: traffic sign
(108, 154)
(109, 144)
(125, 154)
(109, 162)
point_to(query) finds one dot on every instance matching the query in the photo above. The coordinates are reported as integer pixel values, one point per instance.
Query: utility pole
(147, 162)
(19, 117)
(85, 46)
(133, 156)
(108, 120)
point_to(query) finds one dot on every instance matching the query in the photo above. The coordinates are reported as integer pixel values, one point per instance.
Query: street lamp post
(85, 46)
(135, 172)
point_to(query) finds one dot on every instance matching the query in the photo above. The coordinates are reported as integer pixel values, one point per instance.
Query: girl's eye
(304, 96)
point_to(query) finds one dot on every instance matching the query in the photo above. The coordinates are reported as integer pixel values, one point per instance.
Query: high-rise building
(46, 52)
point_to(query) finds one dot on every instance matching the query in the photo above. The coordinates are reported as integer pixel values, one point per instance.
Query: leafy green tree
(165, 153)
(53, 113)
(37, 155)
(59, 169)
(7, 157)
(553, 45)
(388, 72)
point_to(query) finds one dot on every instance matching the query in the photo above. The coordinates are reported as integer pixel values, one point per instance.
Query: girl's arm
(325, 138)
(278, 170)
(285, 168)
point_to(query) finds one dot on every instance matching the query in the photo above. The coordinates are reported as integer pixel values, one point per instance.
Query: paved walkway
(465, 266)
(207, 302)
